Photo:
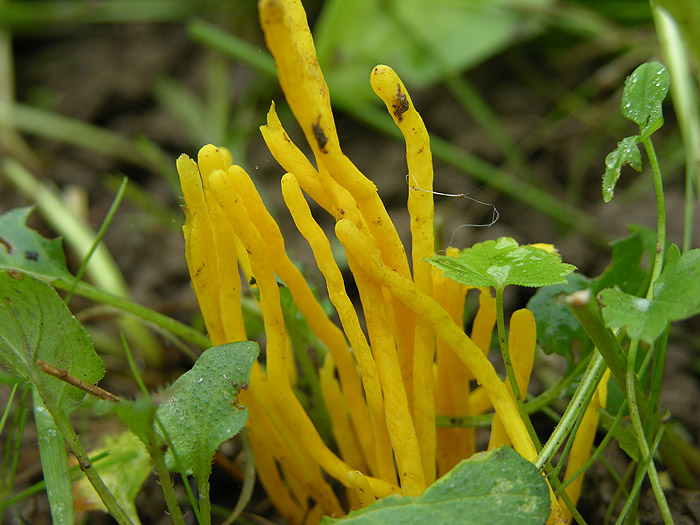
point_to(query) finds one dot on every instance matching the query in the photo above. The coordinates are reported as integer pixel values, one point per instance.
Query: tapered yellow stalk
(267, 438)
(522, 337)
(293, 160)
(289, 40)
(388, 86)
(299, 425)
(210, 158)
(200, 250)
(343, 433)
(309, 307)
(321, 248)
(362, 489)
(398, 416)
(445, 328)
(272, 481)
(306, 479)
(484, 321)
(452, 384)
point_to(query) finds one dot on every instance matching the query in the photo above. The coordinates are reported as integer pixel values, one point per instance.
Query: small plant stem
(166, 482)
(69, 378)
(534, 405)
(503, 343)
(639, 431)
(589, 382)
(597, 452)
(588, 314)
(248, 481)
(659, 357)
(575, 514)
(181, 471)
(661, 215)
(167, 323)
(41, 485)
(11, 458)
(6, 413)
(619, 491)
(204, 502)
(639, 478)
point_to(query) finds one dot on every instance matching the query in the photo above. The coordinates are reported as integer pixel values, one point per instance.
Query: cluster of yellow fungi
(382, 390)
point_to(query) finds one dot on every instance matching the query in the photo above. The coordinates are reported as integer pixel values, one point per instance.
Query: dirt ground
(106, 75)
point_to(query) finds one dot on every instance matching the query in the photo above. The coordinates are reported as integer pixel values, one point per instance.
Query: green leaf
(503, 262)
(203, 411)
(22, 248)
(490, 487)
(623, 433)
(139, 417)
(644, 93)
(627, 152)
(36, 324)
(124, 470)
(423, 40)
(676, 296)
(557, 327)
(625, 271)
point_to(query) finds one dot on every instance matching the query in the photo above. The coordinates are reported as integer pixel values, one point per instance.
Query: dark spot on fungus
(31, 255)
(400, 104)
(252, 281)
(321, 138)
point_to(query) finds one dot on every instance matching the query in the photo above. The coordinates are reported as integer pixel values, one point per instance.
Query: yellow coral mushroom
(384, 398)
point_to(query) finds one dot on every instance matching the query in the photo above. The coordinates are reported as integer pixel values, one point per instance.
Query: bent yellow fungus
(413, 357)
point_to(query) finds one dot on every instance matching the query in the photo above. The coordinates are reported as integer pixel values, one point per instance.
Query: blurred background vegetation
(521, 97)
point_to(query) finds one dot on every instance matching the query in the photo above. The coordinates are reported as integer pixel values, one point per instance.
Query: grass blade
(54, 463)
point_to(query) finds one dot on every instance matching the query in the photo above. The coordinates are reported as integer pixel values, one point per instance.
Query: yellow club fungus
(380, 386)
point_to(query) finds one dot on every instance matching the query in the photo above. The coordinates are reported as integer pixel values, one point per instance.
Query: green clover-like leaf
(503, 262)
(644, 93)
(676, 296)
(627, 152)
